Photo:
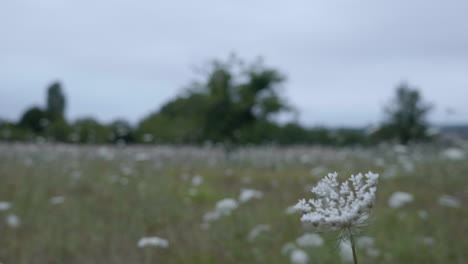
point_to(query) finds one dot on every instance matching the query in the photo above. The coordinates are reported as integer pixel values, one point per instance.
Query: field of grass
(93, 204)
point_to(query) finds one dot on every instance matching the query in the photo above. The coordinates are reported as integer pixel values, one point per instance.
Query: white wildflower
(428, 241)
(401, 149)
(13, 221)
(340, 206)
(291, 210)
(453, 154)
(57, 200)
(153, 241)
(226, 206)
(398, 199)
(197, 180)
(4, 205)
(142, 156)
(249, 194)
(310, 240)
(299, 256)
(423, 214)
(346, 252)
(372, 252)
(127, 171)
(365, 242)
(449, 201)
(105, 153)
(223, 207)
(288, 247)
(211, 216)
(257, 230)
(317, 171)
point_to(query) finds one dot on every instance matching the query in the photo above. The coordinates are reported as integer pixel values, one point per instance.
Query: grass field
(91, 204)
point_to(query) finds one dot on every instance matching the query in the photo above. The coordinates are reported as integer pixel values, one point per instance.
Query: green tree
(178, 121)
(233, 103)
(55, 102)
(34, 119)
(240, 96)
(89, 130)
(59, 130)
(406, 116)
(121, 131)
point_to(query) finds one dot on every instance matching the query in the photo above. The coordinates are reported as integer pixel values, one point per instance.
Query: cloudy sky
(123, 59)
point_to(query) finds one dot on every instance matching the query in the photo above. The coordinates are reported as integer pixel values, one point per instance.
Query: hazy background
(343, 59)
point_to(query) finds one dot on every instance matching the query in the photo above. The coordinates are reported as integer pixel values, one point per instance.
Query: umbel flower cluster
(340, 206)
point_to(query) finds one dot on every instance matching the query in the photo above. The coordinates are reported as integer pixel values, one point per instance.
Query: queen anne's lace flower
(340, 206)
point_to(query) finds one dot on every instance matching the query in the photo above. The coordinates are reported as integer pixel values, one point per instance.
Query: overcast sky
(343, 59)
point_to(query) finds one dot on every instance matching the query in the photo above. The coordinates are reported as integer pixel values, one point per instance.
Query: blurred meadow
(196, 132)
(94, 204)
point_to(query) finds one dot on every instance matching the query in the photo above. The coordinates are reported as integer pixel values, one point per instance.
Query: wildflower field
(168, 204)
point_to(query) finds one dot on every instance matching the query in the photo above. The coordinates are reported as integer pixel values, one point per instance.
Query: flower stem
(352, 247)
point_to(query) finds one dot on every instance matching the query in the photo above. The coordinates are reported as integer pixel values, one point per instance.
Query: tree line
(234, 103)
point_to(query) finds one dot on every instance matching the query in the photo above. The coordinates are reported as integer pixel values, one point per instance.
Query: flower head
(340, 206)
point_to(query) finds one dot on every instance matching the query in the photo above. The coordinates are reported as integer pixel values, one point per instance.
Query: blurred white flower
(340, 206)
(299, 256)
(105, 153)
(372, 252)
(142, 156)
(153, 241)
(401, 149)
(365, 242)
(249, 194)
(288, 247)
(310, 240)
(4, 205)
(346, 252)
(257, 230)
(13, 221)
(291, 210)
(223, 207)
(197, 180)
(453, 154)
(211, 216)
(423, 214)
(317, 171)
(398, 199)
(428, 241)
(226, 206)
(57, 200)
(449, 201)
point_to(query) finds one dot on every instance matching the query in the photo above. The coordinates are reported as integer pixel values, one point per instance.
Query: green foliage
(406, 116)
(88, 130)
(59, 130)
(121, 132)
(178, 121)
(34, 120)
(12, 132)
(232, 104)
(55, 102)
